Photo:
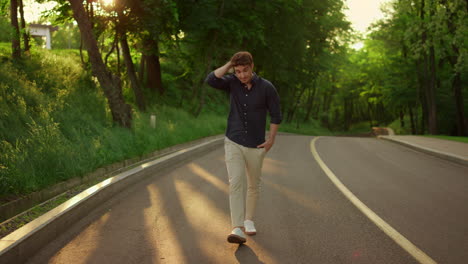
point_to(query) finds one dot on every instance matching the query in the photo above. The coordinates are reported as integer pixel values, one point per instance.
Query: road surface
(182, 215)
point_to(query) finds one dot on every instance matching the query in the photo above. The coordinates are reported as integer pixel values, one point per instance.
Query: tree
(122, 27)
(456, 21)
(110, 83)
(15, 40)
(23, 27)
(155, 19)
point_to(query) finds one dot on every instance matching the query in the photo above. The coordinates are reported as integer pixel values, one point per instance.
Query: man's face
(244, 73)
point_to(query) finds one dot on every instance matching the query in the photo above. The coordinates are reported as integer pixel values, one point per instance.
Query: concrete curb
(390, 131)
(20, 245)
(444, 155)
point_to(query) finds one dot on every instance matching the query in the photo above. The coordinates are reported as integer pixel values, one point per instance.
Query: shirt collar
(254, 80)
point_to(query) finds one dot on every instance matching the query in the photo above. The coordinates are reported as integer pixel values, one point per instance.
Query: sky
(33, 10)
(362, 13)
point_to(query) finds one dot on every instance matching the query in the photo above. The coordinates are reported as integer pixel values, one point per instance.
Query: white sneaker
(237, 236)
(249, 227)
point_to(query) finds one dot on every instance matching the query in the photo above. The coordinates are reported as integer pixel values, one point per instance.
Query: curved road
(182, 215)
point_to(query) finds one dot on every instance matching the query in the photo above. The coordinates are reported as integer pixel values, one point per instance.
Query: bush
(5, 29)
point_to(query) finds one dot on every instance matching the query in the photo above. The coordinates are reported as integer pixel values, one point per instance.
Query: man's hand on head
(223, 69)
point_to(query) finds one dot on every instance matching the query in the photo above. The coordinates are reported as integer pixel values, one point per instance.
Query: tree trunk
(402, 119)
(292, 110)
(81, 51)
(114, 46)
(423, 79)
(139, 97)
(111, 84)
(315, 114)
(201, 103)
(428, 76)
(118, 59)
(327, 102)
(457, 85)
(462, 129)
(141, 73)
(15, 41)
(153, 66)
(291, 99)
(431, 90)
(432, 104)
(348, 112)
(310, 101)
(369, 112)
(423, 120)
(413, 124)
(23, 28)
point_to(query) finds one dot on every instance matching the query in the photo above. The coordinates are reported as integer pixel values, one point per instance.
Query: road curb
(444, 155)
(23, 243)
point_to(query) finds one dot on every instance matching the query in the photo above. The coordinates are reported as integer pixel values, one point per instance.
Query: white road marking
(414, 251)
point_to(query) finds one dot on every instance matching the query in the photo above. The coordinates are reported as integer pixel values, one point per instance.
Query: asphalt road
(182, 215)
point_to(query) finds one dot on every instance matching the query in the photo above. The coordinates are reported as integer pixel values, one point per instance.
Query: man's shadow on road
(244, 254)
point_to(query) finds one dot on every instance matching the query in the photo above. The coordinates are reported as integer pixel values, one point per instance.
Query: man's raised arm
(223, 69)
(217, 79)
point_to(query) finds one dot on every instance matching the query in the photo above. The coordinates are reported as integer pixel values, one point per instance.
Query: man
(245, 145)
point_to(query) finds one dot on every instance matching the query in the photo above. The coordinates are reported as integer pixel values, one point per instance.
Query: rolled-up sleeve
(218, 83)
(274, 108)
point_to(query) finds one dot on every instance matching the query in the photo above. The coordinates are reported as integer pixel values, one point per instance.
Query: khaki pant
(243, 188)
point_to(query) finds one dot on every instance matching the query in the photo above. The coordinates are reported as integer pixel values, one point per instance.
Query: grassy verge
(361, 127)
(398, 129)
(312, 128)
(55, 124)
(17, 222)
(458, 139)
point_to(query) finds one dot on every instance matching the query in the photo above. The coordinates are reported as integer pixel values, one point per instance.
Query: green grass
(311, 128)
(55, 123)
(361, 127)
(458, 139)
(398, 129)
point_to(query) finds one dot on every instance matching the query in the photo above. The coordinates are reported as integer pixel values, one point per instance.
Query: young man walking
(250, 98)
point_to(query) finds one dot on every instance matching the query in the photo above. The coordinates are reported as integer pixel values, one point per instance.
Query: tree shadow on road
(244, 254)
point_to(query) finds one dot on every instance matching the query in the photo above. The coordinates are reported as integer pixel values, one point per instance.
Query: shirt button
(246, 95)
(245, 104)
(245, 113)
(246, 131)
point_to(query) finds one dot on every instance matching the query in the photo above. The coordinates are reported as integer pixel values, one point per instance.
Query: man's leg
(254, 159)
(235, 164)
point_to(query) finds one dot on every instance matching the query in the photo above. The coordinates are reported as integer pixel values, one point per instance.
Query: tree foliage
(413, 64)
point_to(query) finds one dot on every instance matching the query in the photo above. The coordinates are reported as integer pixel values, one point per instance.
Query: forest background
(87, 102)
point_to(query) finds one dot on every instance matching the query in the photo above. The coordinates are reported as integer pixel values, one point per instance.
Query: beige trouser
(243, 191)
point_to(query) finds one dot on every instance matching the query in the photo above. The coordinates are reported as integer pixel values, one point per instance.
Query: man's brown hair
(242, 58)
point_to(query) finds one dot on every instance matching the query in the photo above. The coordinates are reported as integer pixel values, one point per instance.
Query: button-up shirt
(247, 115)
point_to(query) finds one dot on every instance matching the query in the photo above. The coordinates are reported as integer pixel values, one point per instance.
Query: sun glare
(358, 45)
(362, 13)
(107, 2)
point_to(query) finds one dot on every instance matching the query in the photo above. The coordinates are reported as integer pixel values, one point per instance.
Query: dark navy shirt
(247, 116)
